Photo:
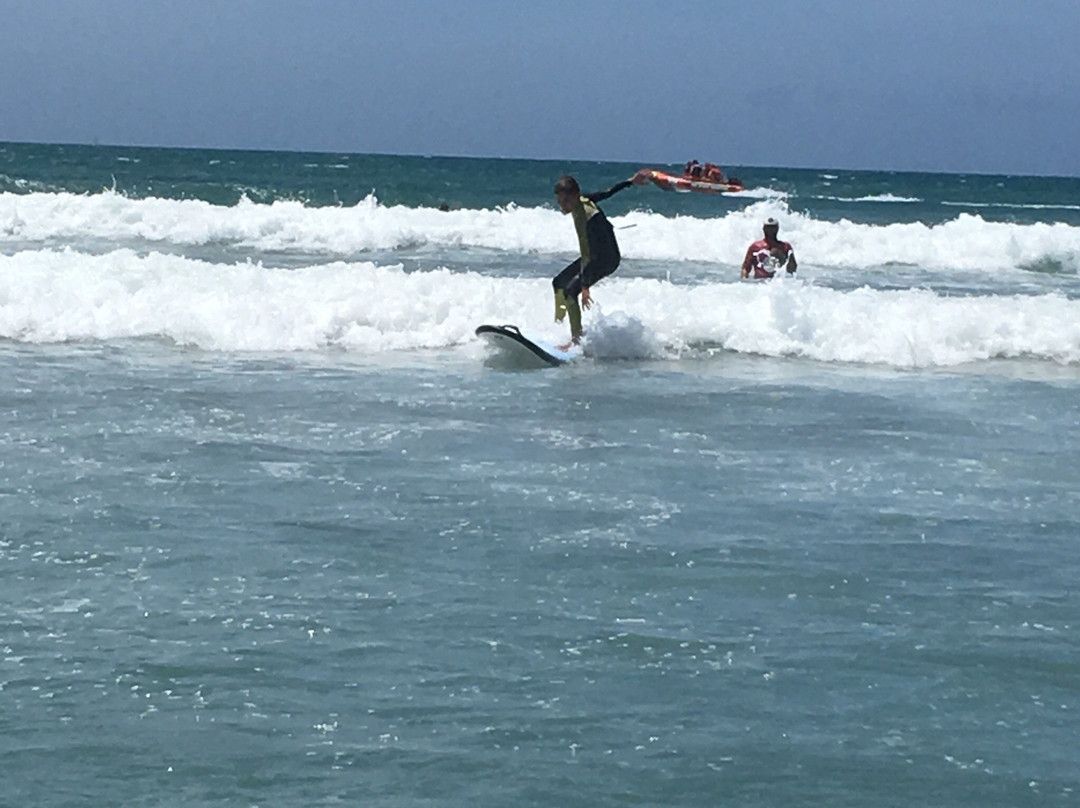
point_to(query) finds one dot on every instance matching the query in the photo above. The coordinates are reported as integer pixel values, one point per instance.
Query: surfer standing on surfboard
(599, 249)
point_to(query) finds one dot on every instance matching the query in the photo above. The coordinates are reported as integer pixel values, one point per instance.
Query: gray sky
(939, 85)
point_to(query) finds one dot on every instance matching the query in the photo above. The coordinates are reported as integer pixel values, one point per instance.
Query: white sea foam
(874, 198)
(362, 307)
(966, 242)
(1011, 205)
(759, 193)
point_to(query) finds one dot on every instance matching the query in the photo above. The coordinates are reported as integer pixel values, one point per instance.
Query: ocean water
(275, 529)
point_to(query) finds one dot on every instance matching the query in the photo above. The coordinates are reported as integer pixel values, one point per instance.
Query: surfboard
(517, 350)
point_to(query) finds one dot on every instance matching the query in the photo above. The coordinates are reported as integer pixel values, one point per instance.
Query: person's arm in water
(792, 264)
(748, 262)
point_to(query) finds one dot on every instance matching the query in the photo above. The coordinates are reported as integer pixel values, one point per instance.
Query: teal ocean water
(275, 529)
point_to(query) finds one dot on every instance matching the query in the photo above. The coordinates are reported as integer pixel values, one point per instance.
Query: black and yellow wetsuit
(599, 255)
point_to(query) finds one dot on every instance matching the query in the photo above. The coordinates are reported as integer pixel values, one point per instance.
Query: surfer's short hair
(567, 185)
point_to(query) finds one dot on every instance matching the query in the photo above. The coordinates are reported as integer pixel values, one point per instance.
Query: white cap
(771, 222)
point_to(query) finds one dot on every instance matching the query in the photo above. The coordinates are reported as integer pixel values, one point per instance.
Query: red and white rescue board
(684, 185)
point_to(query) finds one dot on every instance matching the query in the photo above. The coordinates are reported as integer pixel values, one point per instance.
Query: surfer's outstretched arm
(640, 178)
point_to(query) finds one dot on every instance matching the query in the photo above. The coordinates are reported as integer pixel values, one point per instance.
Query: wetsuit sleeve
(600, 196)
